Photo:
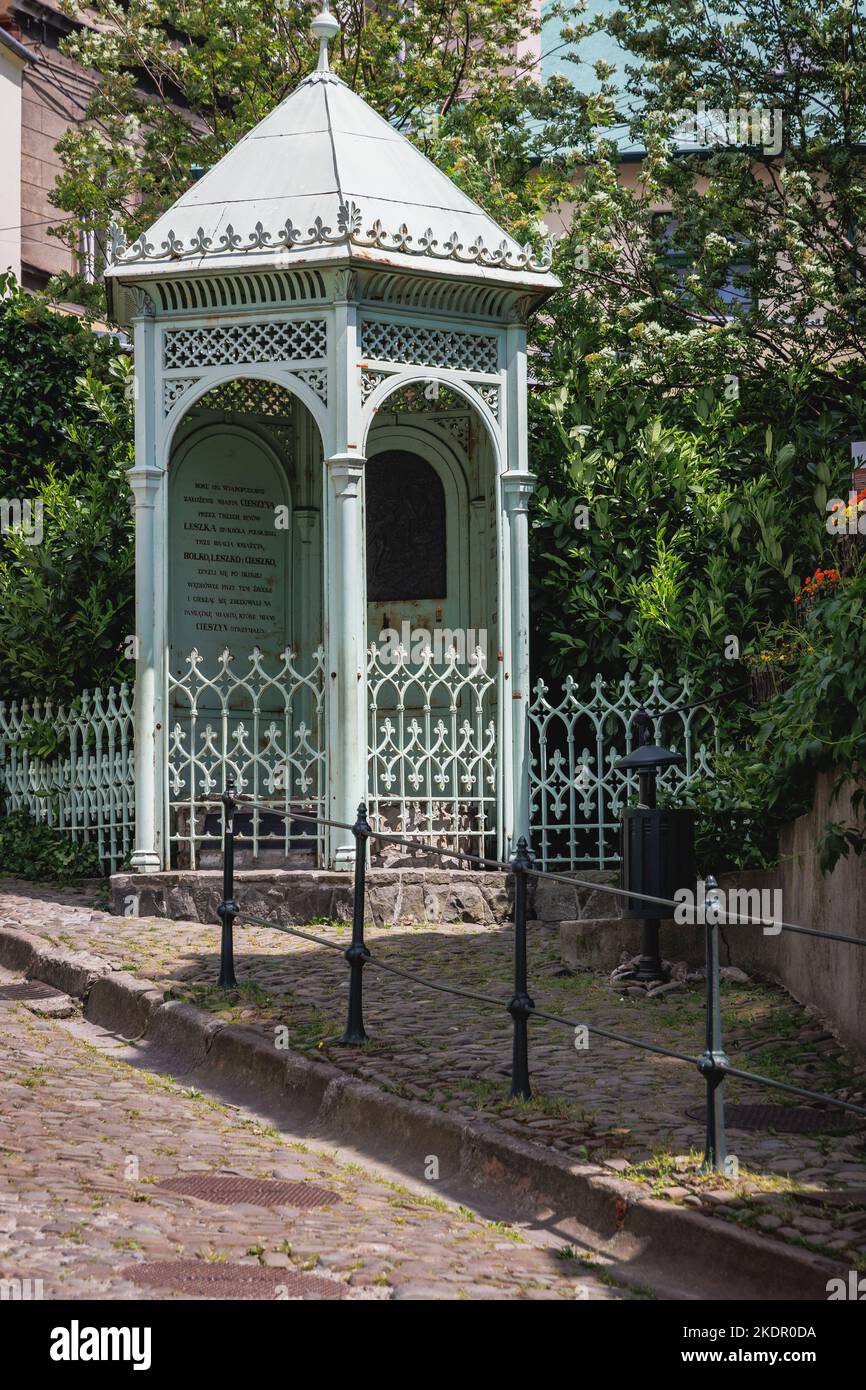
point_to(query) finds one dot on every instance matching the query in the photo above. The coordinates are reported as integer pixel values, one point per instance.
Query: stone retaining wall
(395, 897)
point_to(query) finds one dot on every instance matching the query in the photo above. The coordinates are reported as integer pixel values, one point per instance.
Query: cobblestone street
(621, 1108)
(87, 1139)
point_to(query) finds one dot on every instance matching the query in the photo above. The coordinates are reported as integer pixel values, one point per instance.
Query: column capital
(145, 482)
(143, 305)
(346, 471)
(517, 489)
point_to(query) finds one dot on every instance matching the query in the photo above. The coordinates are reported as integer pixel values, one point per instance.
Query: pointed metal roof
(325, 179)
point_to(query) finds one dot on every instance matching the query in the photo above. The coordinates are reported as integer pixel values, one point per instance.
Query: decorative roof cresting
(349, 232)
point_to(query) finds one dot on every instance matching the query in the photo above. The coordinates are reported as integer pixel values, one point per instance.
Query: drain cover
(784, 1119)
(254, 1192)
(28, 989)
(204, 1280)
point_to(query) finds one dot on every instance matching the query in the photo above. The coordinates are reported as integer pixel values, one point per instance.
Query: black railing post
(714, 1062)
(357, 954)
(228, 908)
(520, 1006)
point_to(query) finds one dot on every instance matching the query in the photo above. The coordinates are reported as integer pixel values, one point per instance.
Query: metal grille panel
(431, 749)
(784, 1119)
(200, 1279)
(576, 793)
(261, 724)
(429, 347)
(256, 1192)
(302, 339)
(86, 787)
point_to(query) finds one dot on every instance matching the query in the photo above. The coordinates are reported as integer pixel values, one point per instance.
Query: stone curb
(653, 1243)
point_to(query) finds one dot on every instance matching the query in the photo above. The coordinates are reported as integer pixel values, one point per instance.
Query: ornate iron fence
(263, 730)
(576, 793)
(71, 767)
(431, 747)
(432, 763)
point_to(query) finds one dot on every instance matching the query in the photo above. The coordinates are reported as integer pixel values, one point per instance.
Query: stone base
(598, 943)
(395, 897)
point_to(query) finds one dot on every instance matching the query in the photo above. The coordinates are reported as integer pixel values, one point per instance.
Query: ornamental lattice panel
(431, 749)
(259, 723)
(576, 793)
(429, 347)
(249, 396)
(235, 344)
(85, 787)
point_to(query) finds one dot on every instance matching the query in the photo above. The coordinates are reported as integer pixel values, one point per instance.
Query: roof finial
(324, 27)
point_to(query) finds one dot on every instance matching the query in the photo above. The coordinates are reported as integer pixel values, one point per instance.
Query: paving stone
(814, 1225)
(78, 1234)
(607, 1104)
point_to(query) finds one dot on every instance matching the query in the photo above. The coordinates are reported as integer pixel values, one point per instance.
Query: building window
(405, 528)
(734, 292)
(92, 243)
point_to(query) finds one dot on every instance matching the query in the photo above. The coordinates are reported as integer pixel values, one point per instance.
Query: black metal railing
(713, 1064)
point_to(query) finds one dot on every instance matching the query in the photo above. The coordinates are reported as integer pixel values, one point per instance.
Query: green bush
(733, 826)
(39, 852)
(45, 418)
(817, 723)
(66, 602)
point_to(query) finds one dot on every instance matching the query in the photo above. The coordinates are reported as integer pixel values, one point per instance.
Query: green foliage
(733, 829)
(817, 723)
(667, 521)
(66, 436)
(46, 420)
(780, 227)
(703, 433)
(700, 378)
(38, 852)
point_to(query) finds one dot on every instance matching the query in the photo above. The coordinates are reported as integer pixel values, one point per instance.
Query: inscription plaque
(229, 559)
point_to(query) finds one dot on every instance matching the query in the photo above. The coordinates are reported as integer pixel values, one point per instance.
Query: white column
(147, 483)
(306, 601)
(345, 578)
(347, 639)
(146, 856)
(517, 488)
(307, 582)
